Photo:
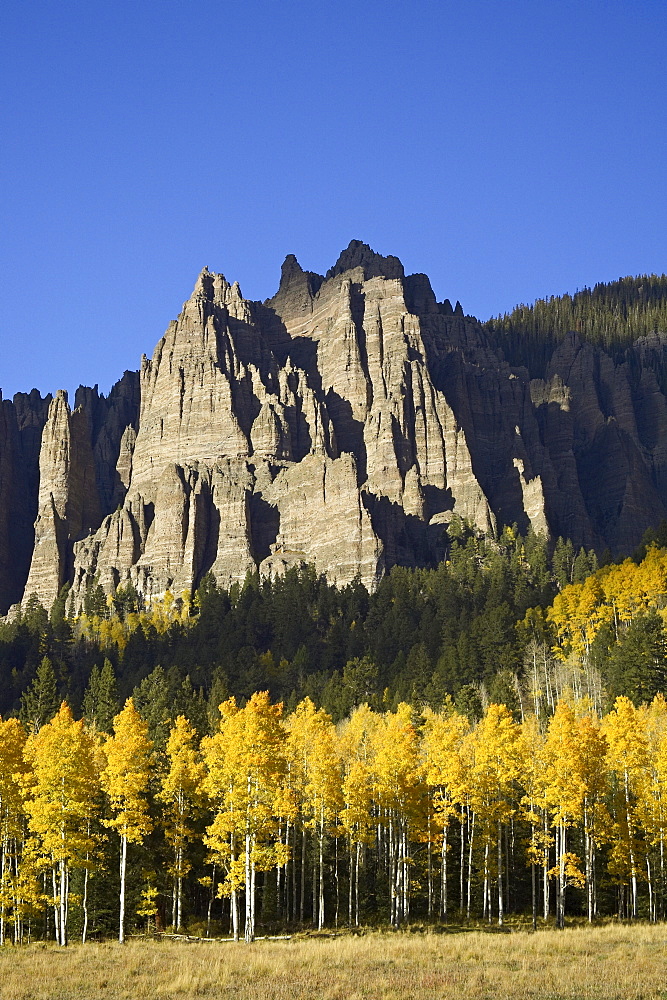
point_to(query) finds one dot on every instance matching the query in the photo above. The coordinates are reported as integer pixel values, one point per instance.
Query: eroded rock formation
(342, 422)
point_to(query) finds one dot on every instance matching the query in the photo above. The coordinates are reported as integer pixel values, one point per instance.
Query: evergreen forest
(612, 315)
(481, 739)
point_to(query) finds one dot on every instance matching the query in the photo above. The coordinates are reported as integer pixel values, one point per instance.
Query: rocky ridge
(343, 422)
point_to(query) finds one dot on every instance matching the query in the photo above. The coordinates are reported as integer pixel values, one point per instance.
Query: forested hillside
(482, 738)
(611, 315)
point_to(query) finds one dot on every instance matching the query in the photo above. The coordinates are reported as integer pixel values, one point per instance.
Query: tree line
(283, 820)
(612, 315)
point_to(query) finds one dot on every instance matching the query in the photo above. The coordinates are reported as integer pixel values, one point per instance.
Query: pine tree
(100, 703)
(39, 704)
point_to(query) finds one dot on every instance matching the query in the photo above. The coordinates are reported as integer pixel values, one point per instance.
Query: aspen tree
(591, 746)
(181, 793)
(357, 817)
(225, 788)
(442, 748)
(627, 753)
(565, 791)
(311, 745)
(652, 805)
(245, 763)
(397, 769)
(64, 790)
(125, 779)
(535, 811)
(12, 771)
(498, 753)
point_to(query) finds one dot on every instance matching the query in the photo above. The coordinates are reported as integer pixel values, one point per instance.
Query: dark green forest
(471, 628)
(612, 315)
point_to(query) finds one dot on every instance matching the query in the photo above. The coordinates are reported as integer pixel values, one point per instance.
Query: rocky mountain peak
(344, 423)
(374, 265)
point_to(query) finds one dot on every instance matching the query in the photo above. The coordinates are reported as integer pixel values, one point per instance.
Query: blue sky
(510, 149)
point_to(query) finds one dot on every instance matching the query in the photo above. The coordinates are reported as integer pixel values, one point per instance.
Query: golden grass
(613, 962)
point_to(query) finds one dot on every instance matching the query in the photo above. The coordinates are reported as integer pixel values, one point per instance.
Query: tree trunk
(500, 874)
(84, 932)
(123, 869)
(443, 894)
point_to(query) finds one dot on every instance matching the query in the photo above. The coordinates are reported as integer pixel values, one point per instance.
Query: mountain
(343, 422)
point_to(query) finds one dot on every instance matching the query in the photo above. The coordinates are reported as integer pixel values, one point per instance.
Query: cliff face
(343, 422)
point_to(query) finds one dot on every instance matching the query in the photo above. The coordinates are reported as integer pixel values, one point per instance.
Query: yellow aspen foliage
(357, 816)
(125, 779)
(181, 793)
(399, 795)
(64, 793)
(245, 766)
(12, 816)
(498, 751)
(626, 761)
(312, 749)
(445, 771)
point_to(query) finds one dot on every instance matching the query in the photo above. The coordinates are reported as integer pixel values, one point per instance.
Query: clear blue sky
(509, 148)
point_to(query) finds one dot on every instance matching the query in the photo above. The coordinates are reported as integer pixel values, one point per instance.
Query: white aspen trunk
(405, 875)
(123, 869)
(63, 903)
(485, 892)
(336, 881)
(462, 864)
(662, 875)
(2, 886)
(500, 874)
(320, 919)
(56, 908)
(651, 914)
(350, 887)
(174, 892)
(633, 866)
(443, 894)
(470, 843)
(561, 879)
(248, 891)
(356, 886)
(84, 932)
(587, 855)
(179, 898)
(545, 870)
(234, 906)
(302, 899)
(210, 904)
(429, 868)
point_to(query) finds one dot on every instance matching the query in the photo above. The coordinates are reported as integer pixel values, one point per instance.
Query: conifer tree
(39, 704)
(100, 703)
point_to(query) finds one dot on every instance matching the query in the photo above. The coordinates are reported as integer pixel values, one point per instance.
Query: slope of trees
(612, 315)
(485, 738)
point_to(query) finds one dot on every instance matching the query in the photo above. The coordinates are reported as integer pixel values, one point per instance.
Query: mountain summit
(343, 422)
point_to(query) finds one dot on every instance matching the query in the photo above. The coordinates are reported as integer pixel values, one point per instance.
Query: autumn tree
(64, 787)
(181, 793)
(125, 779)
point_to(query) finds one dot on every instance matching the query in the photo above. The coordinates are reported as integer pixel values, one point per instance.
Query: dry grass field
(606, 963)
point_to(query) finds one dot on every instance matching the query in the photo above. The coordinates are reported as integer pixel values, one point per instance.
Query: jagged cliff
(343, 422)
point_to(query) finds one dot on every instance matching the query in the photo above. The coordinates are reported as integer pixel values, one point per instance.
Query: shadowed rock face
(342, 422)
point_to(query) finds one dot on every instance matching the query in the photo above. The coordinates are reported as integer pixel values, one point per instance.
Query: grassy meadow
(613, 962)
